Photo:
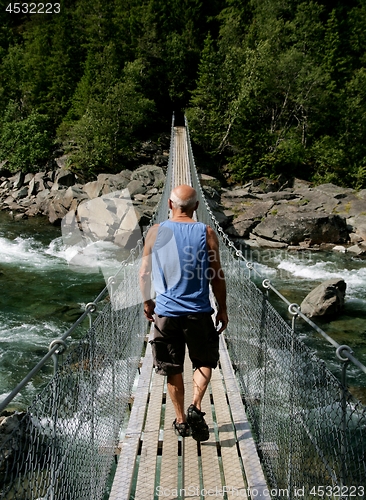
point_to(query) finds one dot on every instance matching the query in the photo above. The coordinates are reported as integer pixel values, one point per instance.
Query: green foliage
(328, 156)
(104, 133)
(269, 86)
(25, 143)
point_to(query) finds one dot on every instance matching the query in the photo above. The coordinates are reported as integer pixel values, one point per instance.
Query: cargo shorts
(172, 334)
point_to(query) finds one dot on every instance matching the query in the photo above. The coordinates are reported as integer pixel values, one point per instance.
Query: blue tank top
(180, 269)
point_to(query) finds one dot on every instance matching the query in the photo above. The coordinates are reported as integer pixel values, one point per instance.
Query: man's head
(184, 199)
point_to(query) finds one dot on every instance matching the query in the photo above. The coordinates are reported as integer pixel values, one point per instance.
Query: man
(182, 256)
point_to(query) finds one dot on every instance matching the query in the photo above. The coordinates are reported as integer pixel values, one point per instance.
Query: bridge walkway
(154, 462)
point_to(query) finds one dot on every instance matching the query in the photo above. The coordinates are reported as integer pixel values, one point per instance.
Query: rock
(358, 249)
(20, 193)
(327, 299)
(355, 238)
(13, 428)
(264, 185)
(107, 183)
(56, 209)
(255, 210)
(263, 243)
(71, 194)
(351, 205)
(17, 180)
(37, 183)
(333, 190)
(339, 248)
(211, 193)
(136, 187)
(296, 227)
(64, 178)
(315, 200)
(110, 217)
(279, 196)
(28, 178)
(361, 231)
(241, 227)
(93, 189)
(149, 175)
(62, 161)
(161, 160)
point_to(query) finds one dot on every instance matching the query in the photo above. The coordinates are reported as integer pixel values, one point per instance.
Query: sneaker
(181, 429)
(197, 424)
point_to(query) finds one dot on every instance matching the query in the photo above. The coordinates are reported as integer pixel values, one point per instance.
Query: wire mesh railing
(309, 429)
(62, 447)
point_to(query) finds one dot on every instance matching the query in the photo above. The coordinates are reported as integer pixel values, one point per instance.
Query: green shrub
(25, 142)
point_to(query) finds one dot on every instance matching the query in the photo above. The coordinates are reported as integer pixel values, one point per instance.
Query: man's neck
(181, 217)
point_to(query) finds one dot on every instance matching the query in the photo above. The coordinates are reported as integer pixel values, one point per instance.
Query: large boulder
(107, 183)
(149, 175)
(294, 228)
(327, 299)
(110, 217)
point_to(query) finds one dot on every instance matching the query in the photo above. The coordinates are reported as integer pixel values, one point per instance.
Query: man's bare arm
(145, 273)
(218, 282)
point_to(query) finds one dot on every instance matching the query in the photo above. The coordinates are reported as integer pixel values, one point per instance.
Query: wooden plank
(169, 463)
(252, 466)
(191, 467)
(181, 172)
(234, 481)
(122, 482)
(210, 461)
(145, 486)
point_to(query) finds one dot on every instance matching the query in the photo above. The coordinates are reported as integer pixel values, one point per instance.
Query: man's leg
(201, 378)
(195, 417)
(176, 393)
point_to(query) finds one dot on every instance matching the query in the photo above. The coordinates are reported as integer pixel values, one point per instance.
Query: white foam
(324, 270)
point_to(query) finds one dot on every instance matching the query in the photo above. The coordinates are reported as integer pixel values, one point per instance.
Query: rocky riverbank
(57, 191)
(261, 213)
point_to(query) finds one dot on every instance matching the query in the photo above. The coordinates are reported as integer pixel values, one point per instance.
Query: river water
(42, 294)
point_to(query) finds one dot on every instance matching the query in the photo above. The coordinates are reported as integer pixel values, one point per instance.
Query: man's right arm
(145, 273)
(218, 282)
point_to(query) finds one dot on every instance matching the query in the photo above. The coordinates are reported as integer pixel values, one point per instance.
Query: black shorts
(171, 336)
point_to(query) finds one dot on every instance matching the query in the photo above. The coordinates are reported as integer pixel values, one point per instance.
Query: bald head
(184, 197)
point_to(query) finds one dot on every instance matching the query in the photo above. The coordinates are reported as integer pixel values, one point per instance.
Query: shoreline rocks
(264, 215)
(56, 190)
(260, 214)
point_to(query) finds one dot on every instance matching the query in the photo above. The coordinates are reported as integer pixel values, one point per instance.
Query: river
(42, 294)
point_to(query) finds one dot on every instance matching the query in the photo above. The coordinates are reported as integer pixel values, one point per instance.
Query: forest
(270, 87)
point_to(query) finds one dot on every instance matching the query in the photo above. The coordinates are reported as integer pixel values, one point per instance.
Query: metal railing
(309, 429)
(63, 446)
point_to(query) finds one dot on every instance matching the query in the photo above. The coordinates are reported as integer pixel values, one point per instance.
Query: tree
(25, 143)
(103, 136)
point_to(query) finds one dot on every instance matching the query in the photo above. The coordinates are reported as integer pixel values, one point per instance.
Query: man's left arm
(218, 282)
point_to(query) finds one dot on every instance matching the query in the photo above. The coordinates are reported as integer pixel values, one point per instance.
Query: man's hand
(221, 318)
(149, 308)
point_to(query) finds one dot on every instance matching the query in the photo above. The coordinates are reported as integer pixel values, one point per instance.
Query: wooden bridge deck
(154, 463)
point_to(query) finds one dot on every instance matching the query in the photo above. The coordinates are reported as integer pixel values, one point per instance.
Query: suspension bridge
(281, 424)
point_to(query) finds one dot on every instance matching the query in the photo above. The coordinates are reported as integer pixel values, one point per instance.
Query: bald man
(181, 257)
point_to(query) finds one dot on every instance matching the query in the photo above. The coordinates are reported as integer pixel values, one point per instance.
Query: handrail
(296, 311)
(91, 307)
(54, 346)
